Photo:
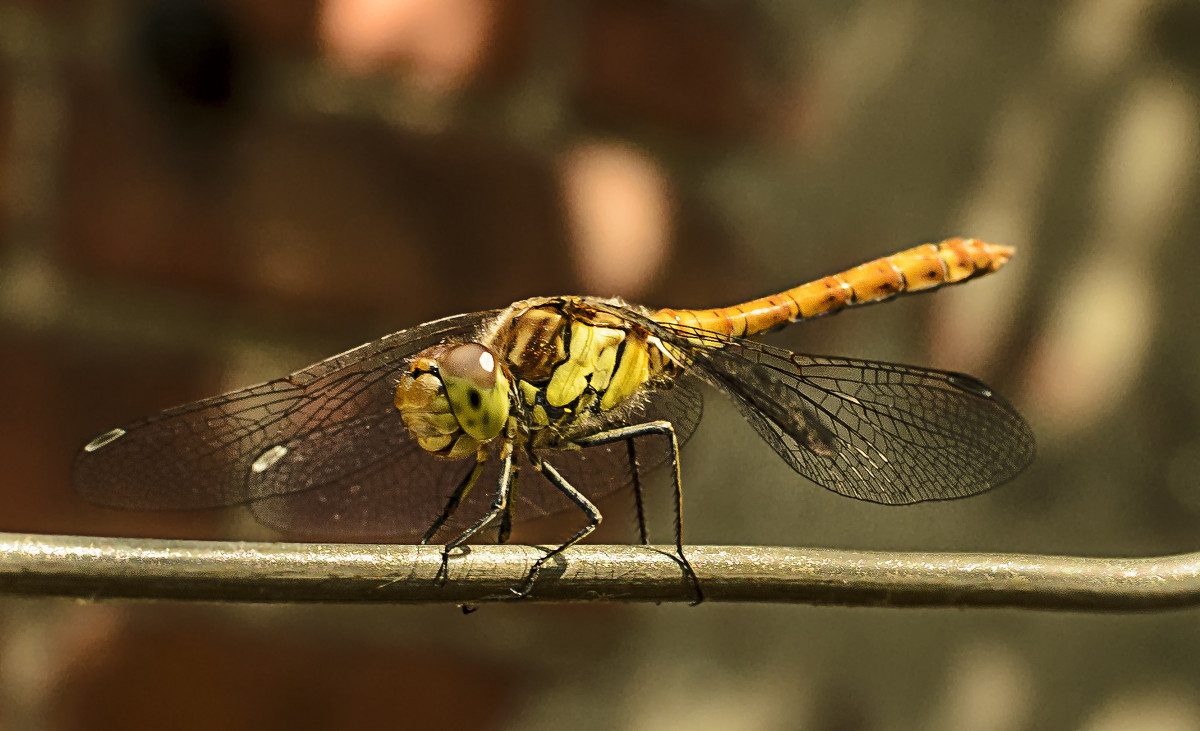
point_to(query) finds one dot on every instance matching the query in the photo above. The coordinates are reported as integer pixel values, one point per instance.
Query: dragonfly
(555, 402)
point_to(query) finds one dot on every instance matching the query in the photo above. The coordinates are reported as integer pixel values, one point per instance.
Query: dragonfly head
(476, 388)
(454, 388)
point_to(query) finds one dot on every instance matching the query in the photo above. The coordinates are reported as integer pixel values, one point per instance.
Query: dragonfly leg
(499, 504)
(638, 498)
(629, 433)
(506, 519)
(593, 514)
(457, 496)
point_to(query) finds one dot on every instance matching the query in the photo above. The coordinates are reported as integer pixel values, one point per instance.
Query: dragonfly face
(579, 397)
(453, 399)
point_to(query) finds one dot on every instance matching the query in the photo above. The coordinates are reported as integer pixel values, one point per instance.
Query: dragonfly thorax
(549, 365)
(571, 361)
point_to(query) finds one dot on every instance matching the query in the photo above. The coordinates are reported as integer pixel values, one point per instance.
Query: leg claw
(529, 579)
(443, 572)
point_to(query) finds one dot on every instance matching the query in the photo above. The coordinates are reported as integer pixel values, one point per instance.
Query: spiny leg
(457, 496)
(574, 496)
(499, 503)
(638, 497)
(506, 520)
(665, 428)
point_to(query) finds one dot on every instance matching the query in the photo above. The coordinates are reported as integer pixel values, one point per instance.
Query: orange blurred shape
(437, 44)
(1095, 346)
(619, 209)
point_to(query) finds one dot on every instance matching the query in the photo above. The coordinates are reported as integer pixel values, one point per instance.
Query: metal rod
(308, 572)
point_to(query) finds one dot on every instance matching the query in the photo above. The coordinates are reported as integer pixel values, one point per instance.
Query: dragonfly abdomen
(919, 269)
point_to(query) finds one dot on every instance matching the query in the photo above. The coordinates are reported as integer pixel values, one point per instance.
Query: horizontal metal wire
(103, 568)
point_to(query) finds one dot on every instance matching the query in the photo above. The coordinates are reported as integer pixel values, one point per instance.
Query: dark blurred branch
(269, 572)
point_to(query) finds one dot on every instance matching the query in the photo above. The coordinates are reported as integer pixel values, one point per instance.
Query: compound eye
(471, 363)
(476, 388)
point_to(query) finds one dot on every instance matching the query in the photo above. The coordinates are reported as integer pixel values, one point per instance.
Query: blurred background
(198, 195)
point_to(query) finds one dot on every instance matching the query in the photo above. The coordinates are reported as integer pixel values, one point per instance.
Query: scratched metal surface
(108, 568)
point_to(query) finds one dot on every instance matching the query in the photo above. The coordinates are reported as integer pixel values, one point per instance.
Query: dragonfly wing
(874, 431)
(362, 479)
(384, 487)
(254, 443)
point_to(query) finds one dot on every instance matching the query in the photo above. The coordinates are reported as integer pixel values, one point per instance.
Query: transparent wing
(383, 498)
(873, 431)
(326, 424)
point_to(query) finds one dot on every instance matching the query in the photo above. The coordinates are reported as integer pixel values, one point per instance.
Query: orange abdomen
(916, 270)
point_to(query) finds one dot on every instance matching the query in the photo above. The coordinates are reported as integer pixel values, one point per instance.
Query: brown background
(198, 196)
